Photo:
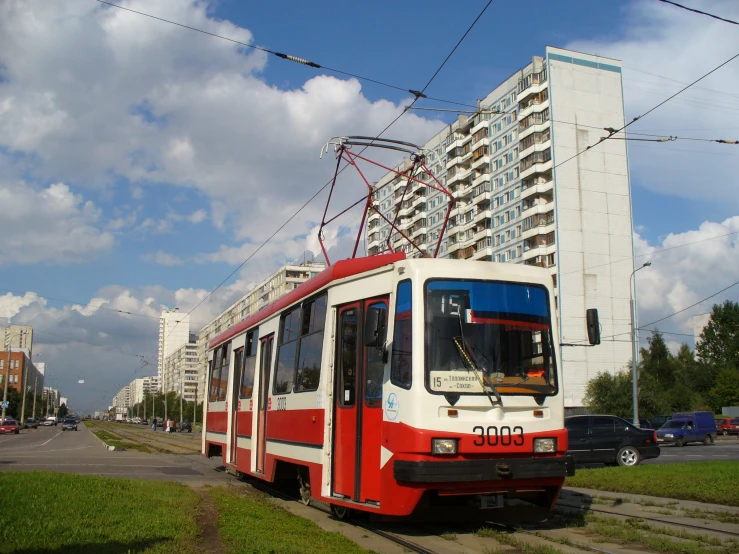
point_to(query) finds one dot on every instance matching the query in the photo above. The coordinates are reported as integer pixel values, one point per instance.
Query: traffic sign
(4, 405)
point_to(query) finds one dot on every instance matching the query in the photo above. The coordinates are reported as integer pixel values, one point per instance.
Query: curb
(106, 445)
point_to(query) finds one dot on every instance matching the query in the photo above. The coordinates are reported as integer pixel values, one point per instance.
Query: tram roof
(339, 270)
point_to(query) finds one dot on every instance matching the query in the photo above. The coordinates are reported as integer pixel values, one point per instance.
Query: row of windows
(13, 364)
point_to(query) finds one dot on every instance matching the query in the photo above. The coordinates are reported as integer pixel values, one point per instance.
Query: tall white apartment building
(279, 283)
(122, 400)
(174, 331)
(524, 195)
(142, 386)
(17, 337)
(182, 373)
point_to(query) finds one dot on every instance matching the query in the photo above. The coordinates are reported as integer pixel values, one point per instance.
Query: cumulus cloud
(663, 49)
(52, 224)
(163, 258)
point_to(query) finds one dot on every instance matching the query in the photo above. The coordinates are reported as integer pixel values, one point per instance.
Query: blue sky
(145, 161)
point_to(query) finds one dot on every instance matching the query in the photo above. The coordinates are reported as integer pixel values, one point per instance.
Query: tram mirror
(375, 327)
(591, 316)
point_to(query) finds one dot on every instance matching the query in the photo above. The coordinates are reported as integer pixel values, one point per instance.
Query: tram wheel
(340, 512)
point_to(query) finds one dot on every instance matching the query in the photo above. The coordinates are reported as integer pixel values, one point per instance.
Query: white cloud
(11, 305)
(682, 46)
(163, 258)
(693, 266)
(52, 224)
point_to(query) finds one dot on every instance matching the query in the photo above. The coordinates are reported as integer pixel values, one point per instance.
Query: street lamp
(634, 377)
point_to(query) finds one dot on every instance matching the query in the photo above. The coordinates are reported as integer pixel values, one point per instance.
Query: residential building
(174, 331)
(182, 373)
(122, 400)
(22, 373)
(64, 400)
(273, 287)
(17, 337)
(51, 400)
(139, 388)
(528, 189)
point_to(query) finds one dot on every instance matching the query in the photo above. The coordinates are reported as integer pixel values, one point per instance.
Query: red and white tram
(387, 384)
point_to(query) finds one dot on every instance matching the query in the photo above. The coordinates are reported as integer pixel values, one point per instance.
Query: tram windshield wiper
(469, 357)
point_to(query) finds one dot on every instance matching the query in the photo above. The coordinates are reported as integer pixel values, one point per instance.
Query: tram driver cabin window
(402, 361)
(250, 364)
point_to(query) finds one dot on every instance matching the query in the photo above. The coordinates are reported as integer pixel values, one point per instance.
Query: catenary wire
(642, 116)
(341, 170)
(699, 12)
(288, 57)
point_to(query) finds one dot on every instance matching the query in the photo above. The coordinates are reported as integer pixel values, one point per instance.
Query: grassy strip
(115, 440)
(510, 539)
(713, 482)
(250, 523)
(57, 512)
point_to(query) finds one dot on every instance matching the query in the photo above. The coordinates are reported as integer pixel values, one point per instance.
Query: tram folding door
(233, 403)
(265, 366)
(358, 402)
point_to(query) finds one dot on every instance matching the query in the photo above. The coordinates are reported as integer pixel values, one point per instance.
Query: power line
(700, 12)
(692, 305)
(343, 168)
(639, 117)
(417, 94)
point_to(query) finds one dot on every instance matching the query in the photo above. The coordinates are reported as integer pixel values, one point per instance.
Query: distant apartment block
(134, 393)
(174, 331)
(22, 374)
(17, 337)
(279, 283)
(519, 198)
(182, 373)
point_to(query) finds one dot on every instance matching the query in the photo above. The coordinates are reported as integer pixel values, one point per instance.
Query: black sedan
(31, 423)
(609, 440)
(69, 424)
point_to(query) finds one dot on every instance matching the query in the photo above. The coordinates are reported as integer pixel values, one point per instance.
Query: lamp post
(35, 393)
(634, 376)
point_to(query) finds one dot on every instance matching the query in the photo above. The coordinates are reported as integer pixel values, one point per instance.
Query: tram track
(177, 447)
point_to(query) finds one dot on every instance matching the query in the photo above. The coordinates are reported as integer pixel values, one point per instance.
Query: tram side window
(224, 371)
(250, 364)
(310, 345)
(402, 361)
(348, 356)
(286, 353)
(215, 375)
(375, 368)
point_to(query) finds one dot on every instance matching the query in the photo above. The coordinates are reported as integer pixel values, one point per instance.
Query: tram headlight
(443, 446)
(543, 446)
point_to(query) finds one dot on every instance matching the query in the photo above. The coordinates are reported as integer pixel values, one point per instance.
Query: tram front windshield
(484, 336)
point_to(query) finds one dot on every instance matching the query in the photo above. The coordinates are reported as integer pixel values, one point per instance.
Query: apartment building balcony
(480, 125)
(481, 179)
(482, 160)
(534, 125)
(534, 142)
(539, 189)
(372, 243)
(418, 216)
(479, 143)
(535, 168)
(452, 248)
(373, 217)
(418, 201)
(540, 207)
(482, 215)
(461, 176)
(533, 103)
(483, 254)
(481, 234)
(419, 231)
(543, 249)
(543, 228)
(400, 184)
(463, 193)
(531, 83)
(543, 261)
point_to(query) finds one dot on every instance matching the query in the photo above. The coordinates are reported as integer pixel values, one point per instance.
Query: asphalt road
(50, 448)
(724, 449)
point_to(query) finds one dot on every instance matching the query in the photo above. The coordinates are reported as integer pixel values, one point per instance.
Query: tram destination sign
(455, 381)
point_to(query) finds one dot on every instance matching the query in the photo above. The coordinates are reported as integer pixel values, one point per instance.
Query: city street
(725, 449)
(50, 448)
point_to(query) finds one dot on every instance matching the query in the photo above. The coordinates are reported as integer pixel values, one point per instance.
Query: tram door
(265, 366)
(358, 400)
(233, 403)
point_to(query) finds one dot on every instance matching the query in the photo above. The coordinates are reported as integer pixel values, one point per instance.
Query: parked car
(734, 426)
(685, 427)
(9, 425)
(31, 423)
(723, 425)
(659, 421)
(609, 440)
(49, 422)
(69, 424)
(186, 426)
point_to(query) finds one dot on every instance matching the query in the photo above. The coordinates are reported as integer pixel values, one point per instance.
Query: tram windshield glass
(484, 336)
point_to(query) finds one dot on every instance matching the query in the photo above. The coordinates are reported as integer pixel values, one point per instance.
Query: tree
(657, 361)
(718, 345)
(62, 410)
(725, 391)
(610, 394)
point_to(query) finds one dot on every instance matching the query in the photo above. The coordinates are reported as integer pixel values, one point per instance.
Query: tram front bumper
(459, 471)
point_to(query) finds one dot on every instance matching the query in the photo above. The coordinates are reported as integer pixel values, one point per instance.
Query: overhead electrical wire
(699, 12)
(642, 116)
(417, 96)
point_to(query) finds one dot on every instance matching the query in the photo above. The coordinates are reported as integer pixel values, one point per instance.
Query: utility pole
(182, 393)
(195, 406)
(634, 376)
(24, 391)
(35, 388)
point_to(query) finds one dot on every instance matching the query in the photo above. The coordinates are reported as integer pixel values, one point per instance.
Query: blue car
(685, 427)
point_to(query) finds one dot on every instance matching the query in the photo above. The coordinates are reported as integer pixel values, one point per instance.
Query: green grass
(114, 440)
(250, 523)
(713, 482)
(53, 512)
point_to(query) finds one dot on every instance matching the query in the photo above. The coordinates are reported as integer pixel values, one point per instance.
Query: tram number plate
(494, 436)
(281, 403)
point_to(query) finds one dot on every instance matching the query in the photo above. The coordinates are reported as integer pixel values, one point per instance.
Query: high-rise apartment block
(528, 190)
(182, 373)
(17, 337)
(174, 331)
